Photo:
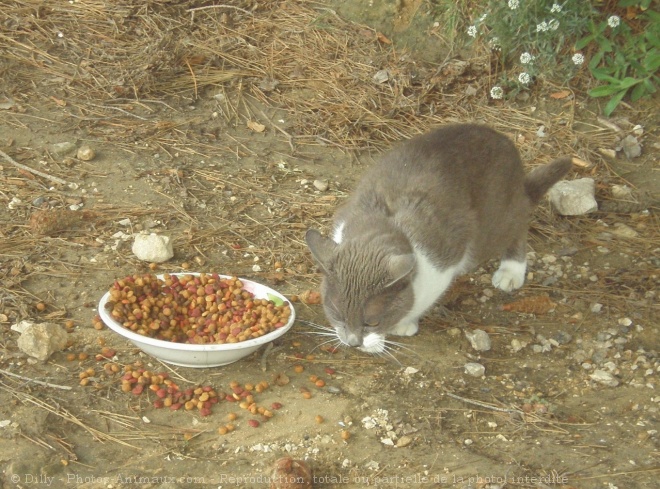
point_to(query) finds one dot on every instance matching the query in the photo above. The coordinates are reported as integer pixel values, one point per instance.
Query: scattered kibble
(319, 419)
(319, 383)
(253, 423)
(345, 435)
(298, 368)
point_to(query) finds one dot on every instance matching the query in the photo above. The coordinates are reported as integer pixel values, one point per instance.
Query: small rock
(625, 322)
(624, 231)
(152, 247)
(605, 378)
(621, 192)
(63, 148)
(574, 198)
(607, 153)
(562, 338)
(41, 340)
(475, 369)
(631, 147)
(321, 185)
(404, 441)
(86, 153)
(517, 345)
(381, 76)
(596, 307)
(479, 339)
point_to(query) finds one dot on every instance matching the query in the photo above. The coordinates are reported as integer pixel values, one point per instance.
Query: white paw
(510, 276)
(405, 329)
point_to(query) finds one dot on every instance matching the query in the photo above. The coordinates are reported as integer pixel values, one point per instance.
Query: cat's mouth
(371, 343)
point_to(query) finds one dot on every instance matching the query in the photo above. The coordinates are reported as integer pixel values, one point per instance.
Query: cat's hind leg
(513, 266)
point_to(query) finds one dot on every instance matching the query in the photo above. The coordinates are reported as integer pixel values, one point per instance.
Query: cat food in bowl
(196, 319)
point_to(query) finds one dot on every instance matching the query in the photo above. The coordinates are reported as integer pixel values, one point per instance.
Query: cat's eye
(372, 324)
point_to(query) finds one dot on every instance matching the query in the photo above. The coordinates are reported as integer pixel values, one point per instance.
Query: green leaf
(638, 92)
(275, 299)
(613, 102)
(628, 82)
(603, 91)
(583, 42)
(602, 75)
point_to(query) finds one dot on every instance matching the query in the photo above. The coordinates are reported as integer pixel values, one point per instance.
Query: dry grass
(126, 71)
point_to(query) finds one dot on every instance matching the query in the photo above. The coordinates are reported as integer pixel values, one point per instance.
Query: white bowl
(200, 356)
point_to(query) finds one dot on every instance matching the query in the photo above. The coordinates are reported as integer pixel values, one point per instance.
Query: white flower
(524, 78)
(526, 58)
(513, 4)
(555, 8)
(614, 21)
(472, 31)
(542, 27)
(553, 24)
(494, 44)
(577, 59)
(497, 92)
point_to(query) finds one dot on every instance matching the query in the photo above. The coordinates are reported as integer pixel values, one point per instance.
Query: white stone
(321, 185)
(624, 231)
(41, 340)
(479, 339)
(574, 197)
(604, 377)
(474, 369)
(152, 247)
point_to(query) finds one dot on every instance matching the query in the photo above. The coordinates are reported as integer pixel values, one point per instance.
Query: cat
(430, 210)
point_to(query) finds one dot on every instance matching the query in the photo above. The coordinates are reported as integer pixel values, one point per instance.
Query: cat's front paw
(405, 329)
(510, 276)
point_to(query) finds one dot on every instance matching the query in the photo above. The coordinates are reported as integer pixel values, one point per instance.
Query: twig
(47, 384)
(37, 172)
(482, 404)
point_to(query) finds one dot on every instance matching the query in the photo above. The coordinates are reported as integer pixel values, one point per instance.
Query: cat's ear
(400, 266)
(322, 248)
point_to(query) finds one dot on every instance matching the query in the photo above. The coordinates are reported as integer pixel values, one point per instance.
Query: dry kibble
(71, 357)
(83, 356)
(318, 418)
(313, 378)
(253, 423)
(298, 368)
(69, 324)
(195, 309)
(319, 383)
(345, 435)
(40, 306)
(307, 395)
(223, 430)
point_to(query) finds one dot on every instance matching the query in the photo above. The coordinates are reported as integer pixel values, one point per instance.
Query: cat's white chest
(429, 284)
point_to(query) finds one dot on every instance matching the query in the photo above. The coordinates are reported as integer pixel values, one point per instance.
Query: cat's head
(366, 288)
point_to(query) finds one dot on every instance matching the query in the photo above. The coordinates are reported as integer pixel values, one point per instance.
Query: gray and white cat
(430, 210)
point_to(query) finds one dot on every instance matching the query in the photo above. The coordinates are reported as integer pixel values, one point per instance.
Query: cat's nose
(353, 340)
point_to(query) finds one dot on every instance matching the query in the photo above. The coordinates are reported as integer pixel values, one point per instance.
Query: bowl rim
(206, 347)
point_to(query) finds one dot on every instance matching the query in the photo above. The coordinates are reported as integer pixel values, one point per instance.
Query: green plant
(625, 62)
(532, 39)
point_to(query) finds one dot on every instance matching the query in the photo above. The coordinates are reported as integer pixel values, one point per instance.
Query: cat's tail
(540, 179)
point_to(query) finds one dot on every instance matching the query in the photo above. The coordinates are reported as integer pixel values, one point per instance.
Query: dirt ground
(235, 170)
